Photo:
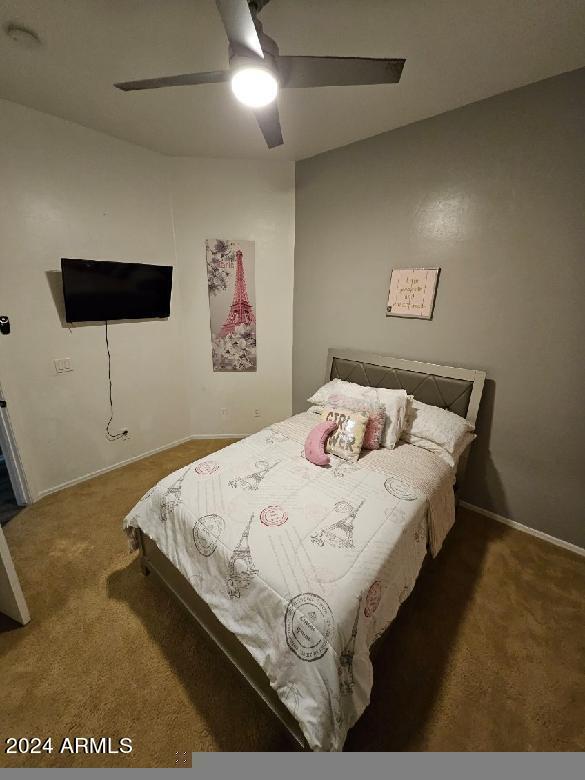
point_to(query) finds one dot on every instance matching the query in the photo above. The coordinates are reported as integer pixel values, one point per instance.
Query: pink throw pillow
(374, 429)
(315, 443)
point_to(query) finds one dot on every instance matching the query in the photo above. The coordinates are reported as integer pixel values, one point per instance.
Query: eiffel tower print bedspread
(306, 565)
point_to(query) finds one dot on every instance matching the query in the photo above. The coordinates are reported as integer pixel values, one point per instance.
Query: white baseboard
(126, 462)
(216, 436)
(198, 436)
(524, 528)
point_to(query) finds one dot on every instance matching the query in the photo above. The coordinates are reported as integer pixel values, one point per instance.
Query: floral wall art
(232, 302)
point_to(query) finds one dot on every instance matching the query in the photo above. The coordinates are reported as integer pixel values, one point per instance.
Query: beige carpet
(487, 654)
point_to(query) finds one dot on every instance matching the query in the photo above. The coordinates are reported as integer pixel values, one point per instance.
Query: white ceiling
(457, 51)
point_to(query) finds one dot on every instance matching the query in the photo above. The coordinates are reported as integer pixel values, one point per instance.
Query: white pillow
(438, 427)
(451, 459)
(394, 401)
(333, 391)
(396, 404)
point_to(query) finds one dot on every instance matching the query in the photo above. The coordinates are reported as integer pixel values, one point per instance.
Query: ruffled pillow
(395, 403)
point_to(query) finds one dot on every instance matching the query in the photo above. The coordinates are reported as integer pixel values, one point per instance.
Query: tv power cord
(109, 435)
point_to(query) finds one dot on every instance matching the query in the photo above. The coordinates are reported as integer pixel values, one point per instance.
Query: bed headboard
(456, 389)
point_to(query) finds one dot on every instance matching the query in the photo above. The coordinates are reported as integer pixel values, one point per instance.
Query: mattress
(307, 566)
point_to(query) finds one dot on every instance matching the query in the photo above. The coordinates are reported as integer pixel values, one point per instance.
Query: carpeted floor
(487, 654)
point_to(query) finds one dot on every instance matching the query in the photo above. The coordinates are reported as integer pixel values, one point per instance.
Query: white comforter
(306, 565)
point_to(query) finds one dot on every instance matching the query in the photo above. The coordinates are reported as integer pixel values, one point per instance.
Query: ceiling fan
(257, 69)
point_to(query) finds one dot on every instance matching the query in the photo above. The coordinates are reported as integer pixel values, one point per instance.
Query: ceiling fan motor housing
(240, 57)
(256, 6)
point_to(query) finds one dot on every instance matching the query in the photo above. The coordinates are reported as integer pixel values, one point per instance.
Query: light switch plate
(62, 365)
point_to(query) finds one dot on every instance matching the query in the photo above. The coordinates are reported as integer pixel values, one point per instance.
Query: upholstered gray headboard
(456, 389)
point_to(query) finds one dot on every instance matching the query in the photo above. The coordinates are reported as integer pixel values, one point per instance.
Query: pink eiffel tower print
(241, 311)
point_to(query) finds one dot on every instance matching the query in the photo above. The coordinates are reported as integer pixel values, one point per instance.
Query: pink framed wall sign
(412, 292)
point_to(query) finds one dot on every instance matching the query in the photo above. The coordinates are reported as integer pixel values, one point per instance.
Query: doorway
(14, 492)
(8, 505)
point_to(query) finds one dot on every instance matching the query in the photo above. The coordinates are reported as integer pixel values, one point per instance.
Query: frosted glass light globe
(254, 87)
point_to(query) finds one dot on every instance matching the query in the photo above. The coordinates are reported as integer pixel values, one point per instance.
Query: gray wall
(494, 194)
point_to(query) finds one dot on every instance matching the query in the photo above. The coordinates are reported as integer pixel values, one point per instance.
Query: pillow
(396, 404)
(337, 388)
(437, 426)
(315, 443)
(376, 417)
(451, 459)
(346, 441)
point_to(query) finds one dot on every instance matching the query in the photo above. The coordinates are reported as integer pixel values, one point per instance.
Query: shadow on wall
(55, 282)
(483, 486)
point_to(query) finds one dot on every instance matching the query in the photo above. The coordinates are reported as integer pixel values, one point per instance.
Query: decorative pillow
(439, 427)
(396, 404)
(346, 441)
(315, 443)
(376, 417)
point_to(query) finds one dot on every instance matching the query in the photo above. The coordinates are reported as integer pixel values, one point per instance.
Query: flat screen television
(105, 290)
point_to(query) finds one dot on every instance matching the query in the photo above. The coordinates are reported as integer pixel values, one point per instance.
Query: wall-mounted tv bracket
(4, 325)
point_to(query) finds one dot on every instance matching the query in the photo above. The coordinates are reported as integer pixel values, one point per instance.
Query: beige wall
(248, 200)
(494, 194)
(67, 191)
(71, 192)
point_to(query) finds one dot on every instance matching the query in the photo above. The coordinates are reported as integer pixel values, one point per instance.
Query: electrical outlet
(256, 412)
(62, 365)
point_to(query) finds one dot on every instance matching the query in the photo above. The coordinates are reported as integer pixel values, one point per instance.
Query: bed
(296, 571)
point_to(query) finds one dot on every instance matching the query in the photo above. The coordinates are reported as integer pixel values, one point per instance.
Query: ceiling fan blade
(183, 80)
(269, 123)
(239, 26)
(338, 71)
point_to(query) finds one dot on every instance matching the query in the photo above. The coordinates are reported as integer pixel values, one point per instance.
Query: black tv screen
(105, 290)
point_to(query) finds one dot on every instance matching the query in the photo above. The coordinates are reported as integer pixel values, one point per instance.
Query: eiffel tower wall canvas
(232, 304)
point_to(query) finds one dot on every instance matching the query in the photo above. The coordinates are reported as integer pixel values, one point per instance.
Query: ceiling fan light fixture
(254, 86)
(257, 70)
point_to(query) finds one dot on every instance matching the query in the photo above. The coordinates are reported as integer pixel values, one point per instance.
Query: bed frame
(456, 389)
